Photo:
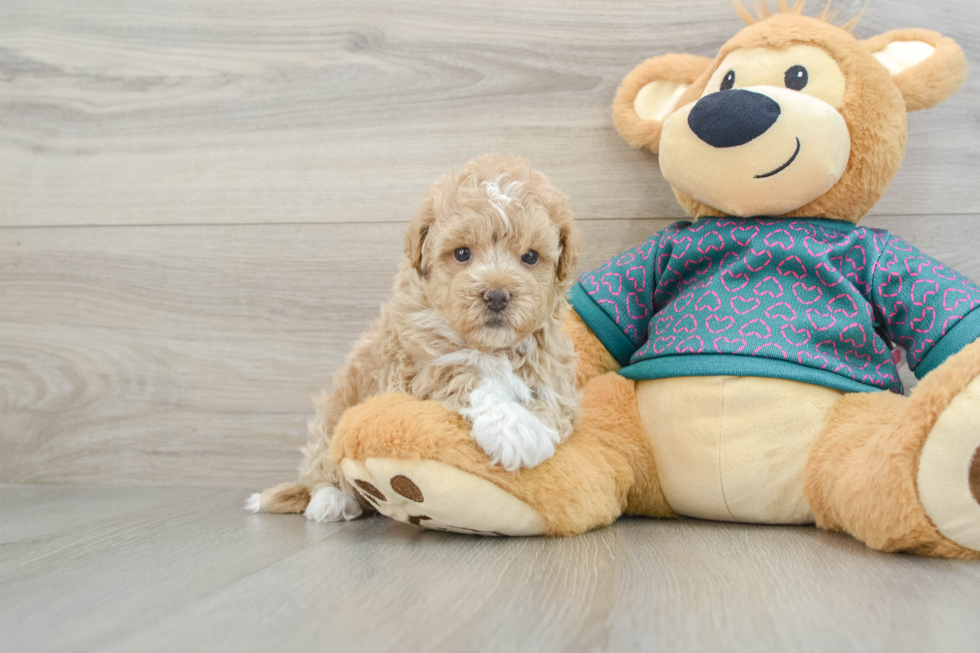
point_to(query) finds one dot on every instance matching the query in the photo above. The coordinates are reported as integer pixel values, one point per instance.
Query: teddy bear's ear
(926, 66)
(650, 93)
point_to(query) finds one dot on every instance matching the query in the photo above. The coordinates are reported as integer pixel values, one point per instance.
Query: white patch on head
(332, 504)
(507, 431)
(501, 195)
(254, 503)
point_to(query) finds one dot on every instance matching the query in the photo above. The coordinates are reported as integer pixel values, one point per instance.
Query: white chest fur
(498, 410)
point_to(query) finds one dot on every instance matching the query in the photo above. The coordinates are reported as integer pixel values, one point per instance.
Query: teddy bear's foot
(903, 474)
(948, 479)
(438, 496)
(412, 459)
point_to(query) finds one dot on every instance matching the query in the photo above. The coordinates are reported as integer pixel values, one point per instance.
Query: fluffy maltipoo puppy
(474, 322)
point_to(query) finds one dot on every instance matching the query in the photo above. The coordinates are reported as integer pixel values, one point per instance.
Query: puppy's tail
(283, 498)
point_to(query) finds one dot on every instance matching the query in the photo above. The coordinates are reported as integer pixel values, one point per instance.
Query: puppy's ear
(926, 66)
(418, 229)
(571, 245)
(569, 237)
(650, 93)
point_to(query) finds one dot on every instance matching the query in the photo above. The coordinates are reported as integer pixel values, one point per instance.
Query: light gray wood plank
(39, 522)
(193, 572)
(411, 591)
(251, 111)
(80, 571)
(735, 587)
(188, 355)
(184, 354)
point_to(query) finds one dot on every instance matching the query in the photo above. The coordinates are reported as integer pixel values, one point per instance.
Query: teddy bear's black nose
(731, 118)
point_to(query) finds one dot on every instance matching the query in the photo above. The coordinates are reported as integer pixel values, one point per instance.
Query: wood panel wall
(202, 204)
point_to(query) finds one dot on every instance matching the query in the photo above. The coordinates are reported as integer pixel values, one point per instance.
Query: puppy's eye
(462, 254)
(530, 257)
(796, 78)
(729, 81)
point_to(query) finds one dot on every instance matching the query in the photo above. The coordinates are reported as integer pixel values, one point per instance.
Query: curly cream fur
(436, 339)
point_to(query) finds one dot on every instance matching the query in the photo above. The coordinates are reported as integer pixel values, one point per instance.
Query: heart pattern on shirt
(818, 293)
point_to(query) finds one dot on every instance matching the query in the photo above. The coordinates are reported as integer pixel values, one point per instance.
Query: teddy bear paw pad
(438, 496)
(949, 470)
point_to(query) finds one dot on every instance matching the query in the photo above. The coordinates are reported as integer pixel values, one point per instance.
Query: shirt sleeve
(616, 300)
(924, 306)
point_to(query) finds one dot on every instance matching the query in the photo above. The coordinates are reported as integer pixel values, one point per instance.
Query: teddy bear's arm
(616, 302)
(593, 358)
(925, 307)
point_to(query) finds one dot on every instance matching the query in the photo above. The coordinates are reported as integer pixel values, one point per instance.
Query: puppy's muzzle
(496, 300)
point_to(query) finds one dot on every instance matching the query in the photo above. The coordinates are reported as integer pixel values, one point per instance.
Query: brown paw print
(437, 496)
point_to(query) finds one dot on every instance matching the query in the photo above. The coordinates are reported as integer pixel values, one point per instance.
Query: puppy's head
(495, 248)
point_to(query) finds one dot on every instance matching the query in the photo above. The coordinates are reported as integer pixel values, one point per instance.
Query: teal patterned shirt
(813, 300)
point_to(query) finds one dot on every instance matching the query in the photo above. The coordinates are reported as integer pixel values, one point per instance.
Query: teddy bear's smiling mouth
(785, 165)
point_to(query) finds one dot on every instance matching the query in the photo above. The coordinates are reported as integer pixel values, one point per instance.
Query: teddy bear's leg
(415, 461)
(904, 474)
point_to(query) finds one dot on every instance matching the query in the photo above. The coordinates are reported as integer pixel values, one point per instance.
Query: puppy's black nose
(496, 300)
(732, 118)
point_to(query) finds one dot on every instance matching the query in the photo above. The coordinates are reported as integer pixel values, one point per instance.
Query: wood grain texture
(251, 111)
(188, 354)
(201, 207)
(231, 182)
(155, 569)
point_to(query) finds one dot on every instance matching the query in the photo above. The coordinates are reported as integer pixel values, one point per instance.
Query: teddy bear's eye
(729, 81)
(796, 78)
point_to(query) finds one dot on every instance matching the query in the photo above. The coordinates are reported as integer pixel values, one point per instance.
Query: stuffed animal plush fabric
(740, 366)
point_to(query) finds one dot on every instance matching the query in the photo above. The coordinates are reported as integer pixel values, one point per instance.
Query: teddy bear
(743, 365)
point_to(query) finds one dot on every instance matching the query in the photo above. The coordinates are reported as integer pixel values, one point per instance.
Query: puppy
(474, 322)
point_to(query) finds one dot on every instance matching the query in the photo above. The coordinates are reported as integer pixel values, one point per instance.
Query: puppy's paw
(332, 504)
(512, 436)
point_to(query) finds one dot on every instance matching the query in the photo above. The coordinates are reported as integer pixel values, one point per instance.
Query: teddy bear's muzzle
(759, 150)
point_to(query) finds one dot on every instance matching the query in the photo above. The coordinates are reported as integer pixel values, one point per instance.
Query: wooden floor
(158, 569)
(201, 206)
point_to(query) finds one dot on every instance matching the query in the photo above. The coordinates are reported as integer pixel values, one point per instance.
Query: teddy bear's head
(793, 117)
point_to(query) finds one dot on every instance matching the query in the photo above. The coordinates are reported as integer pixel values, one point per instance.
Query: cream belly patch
(734, 448)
